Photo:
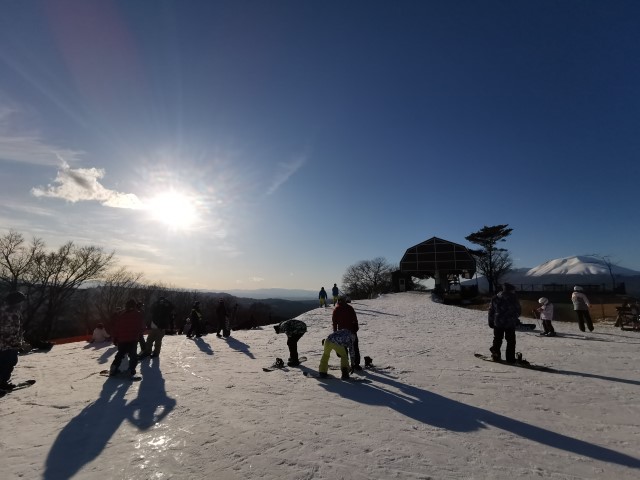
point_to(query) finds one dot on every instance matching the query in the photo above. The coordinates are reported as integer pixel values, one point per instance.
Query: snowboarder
(196, 321)
(342, 343)
(294, 329)
(344, 318)
(128, 328)
(161, 314)
(581, 306)
(99, 334)
(221, 313)
(322, 296)
(335, 291)
(503, 318)
(546, 315)
(10, 337)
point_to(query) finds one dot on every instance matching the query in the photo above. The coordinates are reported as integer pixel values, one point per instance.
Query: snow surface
(205, 409)
(578, 265)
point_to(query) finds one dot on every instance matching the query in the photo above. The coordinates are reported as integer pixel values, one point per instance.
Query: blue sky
(251, 144)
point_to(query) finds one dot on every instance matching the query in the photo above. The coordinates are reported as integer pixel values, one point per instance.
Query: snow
(205, 409)
(578, 265)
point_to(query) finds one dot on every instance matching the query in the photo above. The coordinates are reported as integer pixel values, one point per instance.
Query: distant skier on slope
(504, 313)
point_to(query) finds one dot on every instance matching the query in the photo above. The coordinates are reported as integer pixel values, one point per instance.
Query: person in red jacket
(127, 329)
(344, 318)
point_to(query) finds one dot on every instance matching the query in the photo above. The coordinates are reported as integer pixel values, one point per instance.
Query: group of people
(322, 296)
(343, 340)
(505, 310)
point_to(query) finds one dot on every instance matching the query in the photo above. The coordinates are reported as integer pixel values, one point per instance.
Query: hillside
(205, 409)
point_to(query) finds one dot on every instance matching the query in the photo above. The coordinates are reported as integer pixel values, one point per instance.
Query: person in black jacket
(504, 313)
(161, 313)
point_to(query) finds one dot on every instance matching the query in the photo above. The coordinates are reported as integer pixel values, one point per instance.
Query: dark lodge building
(435, 258)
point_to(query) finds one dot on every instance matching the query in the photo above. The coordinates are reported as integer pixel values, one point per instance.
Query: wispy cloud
(83, 184)
(284, 170)
(257, 279)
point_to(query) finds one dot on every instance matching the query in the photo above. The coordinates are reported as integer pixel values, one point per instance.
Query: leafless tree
(16, 257)
(368, 278)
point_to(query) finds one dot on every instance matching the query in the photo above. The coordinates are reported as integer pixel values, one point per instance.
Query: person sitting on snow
(99, 334)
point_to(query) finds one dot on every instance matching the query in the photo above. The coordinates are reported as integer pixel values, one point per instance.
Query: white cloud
(257, 279)
(284, 170)
(82, 184)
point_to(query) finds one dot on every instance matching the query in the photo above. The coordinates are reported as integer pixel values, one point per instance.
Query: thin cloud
(83, 184)
(257, 279)
(284, 172)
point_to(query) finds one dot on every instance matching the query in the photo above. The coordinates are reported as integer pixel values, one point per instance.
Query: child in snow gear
(10, 337)
(161, 314)
(294, 329)
(99, 334)
(322, 296)
(221, 313)
(335, 292)
(546, 315)
(581, 306)
(128, 328)
(342, 343)
(344, 318)
(503, 318)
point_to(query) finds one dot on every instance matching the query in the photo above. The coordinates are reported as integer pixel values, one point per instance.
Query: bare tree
(16, 257)
(114, 290)
(368, 278)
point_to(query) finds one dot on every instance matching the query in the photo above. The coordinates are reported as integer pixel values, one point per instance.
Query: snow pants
(547, 327)
(340, 351)
(154, 339)
(8, 360)
(509, 334)
(292, 343)
(126, 348)
(584, 317)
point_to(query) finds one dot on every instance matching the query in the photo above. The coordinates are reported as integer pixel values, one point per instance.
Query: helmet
(14, 298)
(543, 300)
(577, 288)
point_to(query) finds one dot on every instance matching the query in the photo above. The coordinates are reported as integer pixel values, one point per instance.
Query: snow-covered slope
(578, 265)
(205, 409)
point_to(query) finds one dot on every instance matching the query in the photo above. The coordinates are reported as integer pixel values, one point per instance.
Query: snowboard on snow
(19, 386)
(526, 326)
(520, 364)
(331, 377)
(121, 375)
(280, 366)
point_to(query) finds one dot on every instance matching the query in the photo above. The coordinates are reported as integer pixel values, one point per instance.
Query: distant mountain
(578, 265)
(281, 293)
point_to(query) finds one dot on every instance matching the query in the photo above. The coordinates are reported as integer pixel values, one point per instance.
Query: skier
(99, 334)
(503, 318)
(221, 313)
(581, 306)
(196, 321)
(128, 328)
(294, 329)
(546, 315)
(344, 318)
(10, 337)
(161, 314)
(322, 296)
(342, 343)
(335, 291)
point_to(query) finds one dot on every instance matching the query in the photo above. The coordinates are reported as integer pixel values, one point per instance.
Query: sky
(429, 408)
(246, 144)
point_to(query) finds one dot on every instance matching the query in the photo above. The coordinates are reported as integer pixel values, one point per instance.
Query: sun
(176, 210)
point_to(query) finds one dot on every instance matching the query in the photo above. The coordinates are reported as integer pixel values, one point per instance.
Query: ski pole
(535, 314)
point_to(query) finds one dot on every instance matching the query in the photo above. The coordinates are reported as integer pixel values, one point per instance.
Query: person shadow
(203, 346)
(441, 412)
(240, 346)
(84, 438)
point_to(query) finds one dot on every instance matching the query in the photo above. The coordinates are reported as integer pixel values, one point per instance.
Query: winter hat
(577, 288)
(14, 298)
(543, 300)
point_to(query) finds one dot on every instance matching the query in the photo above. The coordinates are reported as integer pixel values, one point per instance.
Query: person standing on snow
(294, 329)
(344, 318)
(581, 306)
(221, 313)
(128, 328)
(546, 315)
(335, 291)
(342, 343)
(161, 314)
(322, 296)
(196, 321)
(504, 313)
(10, 337)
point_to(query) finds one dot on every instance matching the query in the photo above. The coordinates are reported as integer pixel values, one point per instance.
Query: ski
(520, 364)
(280, 365)
(18, 386)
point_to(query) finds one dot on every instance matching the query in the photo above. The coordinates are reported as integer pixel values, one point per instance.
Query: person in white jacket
(100, 334)
(581, 306)
(546, 315)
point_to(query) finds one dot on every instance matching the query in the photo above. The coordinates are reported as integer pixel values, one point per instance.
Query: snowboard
(527, 365)
(275, 367)
(19, 386)
(526, 326)
(121, 375)
(331, 377)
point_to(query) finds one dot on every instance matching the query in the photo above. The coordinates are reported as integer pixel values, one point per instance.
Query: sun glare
(174, 209)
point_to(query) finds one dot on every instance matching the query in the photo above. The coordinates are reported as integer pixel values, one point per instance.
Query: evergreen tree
(493, 262)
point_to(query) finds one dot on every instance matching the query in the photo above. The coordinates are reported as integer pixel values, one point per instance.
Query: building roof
(437, 256)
